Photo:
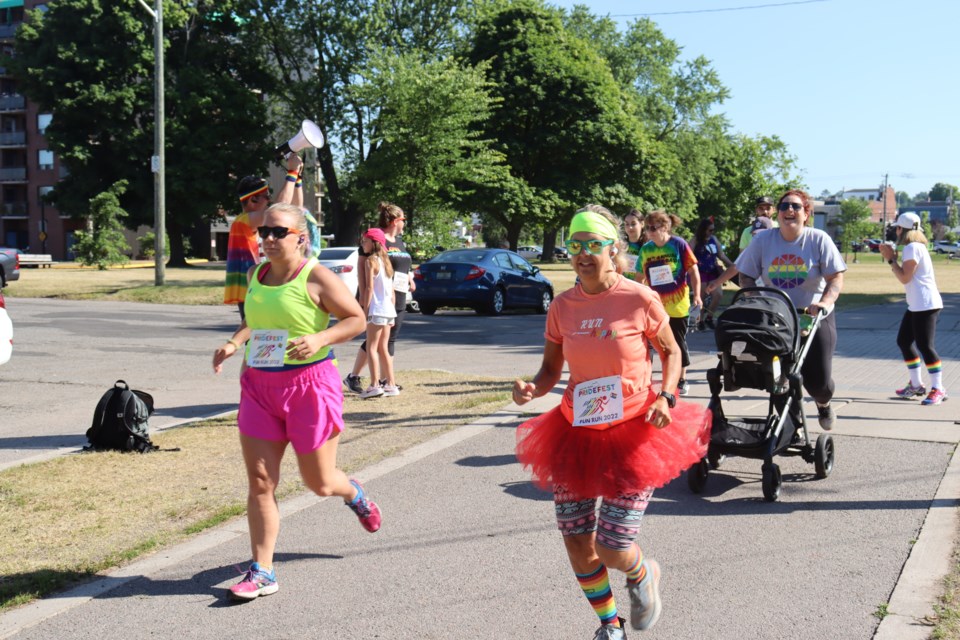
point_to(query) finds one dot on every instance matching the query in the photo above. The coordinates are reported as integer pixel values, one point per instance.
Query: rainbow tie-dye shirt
(665, 269)
(242, 253)
(797, 268)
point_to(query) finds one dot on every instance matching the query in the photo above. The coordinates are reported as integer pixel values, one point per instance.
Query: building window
(44, 192)
(45, 159)
(43, 121)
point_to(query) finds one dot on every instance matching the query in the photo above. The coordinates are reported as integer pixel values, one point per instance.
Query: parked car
(951, 248)
(873, 244)
(6, 333)
(559, 253)
(343, 262)
(530, 252)
(9, 266)
(486, 280)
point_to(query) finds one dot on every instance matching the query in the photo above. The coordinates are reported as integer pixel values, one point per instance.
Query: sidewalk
(469, 547)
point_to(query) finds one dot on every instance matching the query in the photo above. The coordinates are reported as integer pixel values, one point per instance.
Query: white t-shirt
(922, 293)
(797, 268)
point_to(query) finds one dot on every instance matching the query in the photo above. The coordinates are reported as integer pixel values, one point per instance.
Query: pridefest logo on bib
(787, 272)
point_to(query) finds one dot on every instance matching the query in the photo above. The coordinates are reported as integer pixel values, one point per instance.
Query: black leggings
(394, 330)
(817, 368)
(917, 332)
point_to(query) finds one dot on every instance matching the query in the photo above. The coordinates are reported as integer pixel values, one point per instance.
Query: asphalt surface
(469, 546)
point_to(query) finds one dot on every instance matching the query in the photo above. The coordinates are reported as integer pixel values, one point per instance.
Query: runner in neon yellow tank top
(290, 392)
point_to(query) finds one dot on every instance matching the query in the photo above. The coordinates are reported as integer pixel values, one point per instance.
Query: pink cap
(375, 233)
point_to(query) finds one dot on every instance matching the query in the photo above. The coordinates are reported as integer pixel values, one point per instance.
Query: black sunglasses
(279, 233)
(786, 206)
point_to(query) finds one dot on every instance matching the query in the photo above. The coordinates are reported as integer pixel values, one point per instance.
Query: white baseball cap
(908, 221)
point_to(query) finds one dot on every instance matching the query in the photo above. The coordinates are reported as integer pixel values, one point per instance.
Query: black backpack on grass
(120, 421)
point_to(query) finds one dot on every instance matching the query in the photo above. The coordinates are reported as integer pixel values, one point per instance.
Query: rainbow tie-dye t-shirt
(797, 268)
(242, 253)
(665, 269)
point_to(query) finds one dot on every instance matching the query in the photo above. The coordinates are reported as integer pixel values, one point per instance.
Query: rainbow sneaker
(911, 391)
(367, 510)
(256, 582)
(936, 396)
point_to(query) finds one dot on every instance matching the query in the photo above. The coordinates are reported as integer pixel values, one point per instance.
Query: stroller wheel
(772, 481)
(823, 456)
(697, 476)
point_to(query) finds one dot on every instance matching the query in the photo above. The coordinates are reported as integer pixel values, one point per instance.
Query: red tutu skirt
(627, 458)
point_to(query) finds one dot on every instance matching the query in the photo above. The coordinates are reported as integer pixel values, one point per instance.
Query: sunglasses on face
(651, 229)
(279, 233)
(786, 206)
(595, 247)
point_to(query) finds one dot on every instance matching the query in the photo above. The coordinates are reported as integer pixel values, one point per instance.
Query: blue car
(486, 280)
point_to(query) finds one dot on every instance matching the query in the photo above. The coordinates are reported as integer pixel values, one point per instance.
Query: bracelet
(291, 177)
(235, 344)
(299, 183)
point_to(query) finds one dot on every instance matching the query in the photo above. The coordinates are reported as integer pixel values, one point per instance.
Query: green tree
(564, 126)
(855, 222)
(943, 192)
(322, 52)
(90, 63)
(426, 150)
(103, 243)
(904, 199)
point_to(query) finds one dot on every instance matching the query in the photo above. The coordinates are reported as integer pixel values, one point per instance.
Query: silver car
(9, 266)
(343, 262)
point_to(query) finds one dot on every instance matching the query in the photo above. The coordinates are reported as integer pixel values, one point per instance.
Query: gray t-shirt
(797, 268)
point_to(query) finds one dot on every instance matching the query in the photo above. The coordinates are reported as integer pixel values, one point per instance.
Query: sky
(857, 89)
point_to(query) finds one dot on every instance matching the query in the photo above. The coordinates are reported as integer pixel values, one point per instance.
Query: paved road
(67, 353)
(468, 547)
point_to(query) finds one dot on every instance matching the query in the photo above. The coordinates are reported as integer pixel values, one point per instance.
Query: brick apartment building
(28, 169)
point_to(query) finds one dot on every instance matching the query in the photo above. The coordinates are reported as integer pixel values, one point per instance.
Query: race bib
(662, 274)
(401, 282)
(267, 348)
(598, 401)
(631, 261)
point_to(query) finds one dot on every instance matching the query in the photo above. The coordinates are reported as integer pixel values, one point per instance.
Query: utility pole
(885, 176)
(158, 162)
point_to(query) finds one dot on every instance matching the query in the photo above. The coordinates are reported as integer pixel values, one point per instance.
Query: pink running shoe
(367, 510)
(936, 396)
(256, 582)
(911, 391)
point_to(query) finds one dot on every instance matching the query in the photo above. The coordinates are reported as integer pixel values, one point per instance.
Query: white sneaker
(372, 392)
(390, 390)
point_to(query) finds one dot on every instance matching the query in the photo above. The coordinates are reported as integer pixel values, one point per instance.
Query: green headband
(592, 222)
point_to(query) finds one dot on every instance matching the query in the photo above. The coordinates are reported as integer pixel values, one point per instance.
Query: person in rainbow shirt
(243, 249)
(666, 263)
(806, 265)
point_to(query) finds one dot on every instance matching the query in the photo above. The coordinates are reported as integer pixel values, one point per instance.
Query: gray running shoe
(645, 598)
(826, 416)
(354, 383)
(611, 632)
(683, 387)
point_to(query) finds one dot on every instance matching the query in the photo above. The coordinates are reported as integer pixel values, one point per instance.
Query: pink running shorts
(303, 406)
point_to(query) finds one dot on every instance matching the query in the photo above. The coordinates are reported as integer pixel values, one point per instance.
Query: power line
(744, 8)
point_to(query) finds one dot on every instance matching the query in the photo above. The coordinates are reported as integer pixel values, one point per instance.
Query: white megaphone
(308, 136)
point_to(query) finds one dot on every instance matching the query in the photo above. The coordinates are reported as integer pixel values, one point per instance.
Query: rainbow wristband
(299, 184)
(291, 176)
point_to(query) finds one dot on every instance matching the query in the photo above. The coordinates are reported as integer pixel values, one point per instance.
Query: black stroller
(762, 346)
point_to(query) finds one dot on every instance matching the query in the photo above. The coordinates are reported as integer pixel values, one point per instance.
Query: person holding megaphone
(243, 248)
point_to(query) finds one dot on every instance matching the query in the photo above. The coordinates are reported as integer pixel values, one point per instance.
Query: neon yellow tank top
(287, 306)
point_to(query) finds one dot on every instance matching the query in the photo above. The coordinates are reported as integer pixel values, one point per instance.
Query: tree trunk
(175, 250)
(549, 243)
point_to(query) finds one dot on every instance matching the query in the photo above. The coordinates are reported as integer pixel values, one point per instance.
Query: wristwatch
(670, 398)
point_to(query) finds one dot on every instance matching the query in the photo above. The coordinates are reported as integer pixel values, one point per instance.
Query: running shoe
(911, 391)
(936, 396)
(256, 582)
(683, 387)
(353, 383)
(645, 598)
(611, 632)
(383, 383)
(367, 510)
(390, 390)
(372, 392)
(826, 416)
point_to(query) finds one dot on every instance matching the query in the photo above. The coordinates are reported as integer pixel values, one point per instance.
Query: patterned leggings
(619, 521)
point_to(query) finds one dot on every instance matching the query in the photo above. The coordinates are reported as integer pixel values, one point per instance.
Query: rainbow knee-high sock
(935, 369)
(913, 367)
(638, 571)
(596, 586)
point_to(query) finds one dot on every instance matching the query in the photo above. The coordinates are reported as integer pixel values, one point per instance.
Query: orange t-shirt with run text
(606, 334)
